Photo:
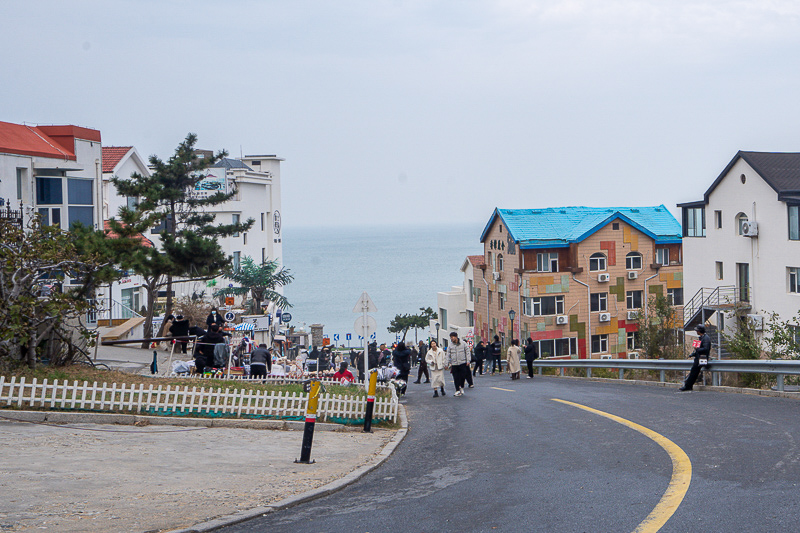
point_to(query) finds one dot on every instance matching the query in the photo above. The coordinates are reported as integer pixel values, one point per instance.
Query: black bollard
(311, 419)
(154, 364)
(373, 384)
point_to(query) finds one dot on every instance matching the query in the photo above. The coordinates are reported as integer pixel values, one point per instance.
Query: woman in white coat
(512, 357)
(437, 363)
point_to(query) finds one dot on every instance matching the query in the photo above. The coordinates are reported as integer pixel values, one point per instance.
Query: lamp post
(437, 333)
(512, 315)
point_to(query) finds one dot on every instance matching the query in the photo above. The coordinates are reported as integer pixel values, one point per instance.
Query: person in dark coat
(214, 318)
(204, 352)
(495, 352)
(480, 357)
(180, 328)
(531, 354)
(702, 351)
(401, 358)
(260, 362)
(324, 359)
(373, 355)
(423, 364)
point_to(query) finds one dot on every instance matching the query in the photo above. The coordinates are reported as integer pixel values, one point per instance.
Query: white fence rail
(185, 400)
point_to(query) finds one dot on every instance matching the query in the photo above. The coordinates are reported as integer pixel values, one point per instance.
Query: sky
(390, 112)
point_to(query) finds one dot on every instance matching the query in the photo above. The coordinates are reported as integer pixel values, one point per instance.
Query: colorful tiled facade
(573, 274)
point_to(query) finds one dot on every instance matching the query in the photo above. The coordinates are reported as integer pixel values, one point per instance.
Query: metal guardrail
(778, 367)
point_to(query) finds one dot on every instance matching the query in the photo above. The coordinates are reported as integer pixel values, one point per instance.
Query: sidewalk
(100, 478)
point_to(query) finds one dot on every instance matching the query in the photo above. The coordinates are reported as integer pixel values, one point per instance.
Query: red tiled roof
(33, 141)
(147, 243)
(112, 155)
(476, 260)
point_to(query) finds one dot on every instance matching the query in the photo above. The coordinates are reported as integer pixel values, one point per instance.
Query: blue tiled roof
(230, 164)
(554, 227)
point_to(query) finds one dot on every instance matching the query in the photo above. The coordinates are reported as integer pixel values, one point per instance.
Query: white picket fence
(185, 400)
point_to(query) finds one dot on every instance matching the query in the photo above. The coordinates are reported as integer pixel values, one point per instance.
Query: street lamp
(512, 315)
(437, 333)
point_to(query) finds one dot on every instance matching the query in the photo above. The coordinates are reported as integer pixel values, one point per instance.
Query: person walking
(260, 362)
(531, 354)
(401, 358)
(480, 356)
(495, 354)
(436, 361)
(180, 328)
(512, 359)
(701, 352)
(458, 360)
(423, 364)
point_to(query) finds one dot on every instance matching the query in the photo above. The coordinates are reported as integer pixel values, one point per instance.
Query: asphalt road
(507, 457)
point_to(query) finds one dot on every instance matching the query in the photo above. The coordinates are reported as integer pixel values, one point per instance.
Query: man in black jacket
(480, 356)
(495, 352)
(180, 328)
(700, 352)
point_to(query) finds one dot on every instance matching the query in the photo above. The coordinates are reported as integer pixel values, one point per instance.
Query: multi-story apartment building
(742, 241)
(456, 307)
(53, 171)
(574, 278)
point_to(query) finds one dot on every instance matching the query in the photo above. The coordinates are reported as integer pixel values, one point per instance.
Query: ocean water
(401, 268)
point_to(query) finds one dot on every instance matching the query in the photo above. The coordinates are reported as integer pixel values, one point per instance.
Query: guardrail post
(780, 382)
(313, 388)
(588, 372)
(621, 373)
(540, 371)
(663, 376)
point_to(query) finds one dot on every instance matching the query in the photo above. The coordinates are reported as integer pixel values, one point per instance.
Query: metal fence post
(621, 373)
(780, 382)
(663, 376)
(588, 372)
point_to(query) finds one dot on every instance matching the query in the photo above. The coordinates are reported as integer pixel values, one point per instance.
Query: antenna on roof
(241, 153)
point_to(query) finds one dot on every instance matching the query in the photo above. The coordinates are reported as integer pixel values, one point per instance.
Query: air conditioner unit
(633, 275)
(497, 276)
(750, 228)
(633, 355)
(562, 319)
(605, 356)
(757, 321)
(633, 315)
(603, 277)
(605, 317)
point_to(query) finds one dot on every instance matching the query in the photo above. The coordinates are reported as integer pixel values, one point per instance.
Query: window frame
(545, 261)
(630, 260)
(598, 302)
(694, 225)
(794, 280)
(599, 260)
(602, 343)
(662, 256)
(630, 299)
(671, 296)
(793, 220)
(741, 218)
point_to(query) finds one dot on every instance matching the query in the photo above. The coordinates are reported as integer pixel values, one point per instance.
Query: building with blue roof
(576, 278)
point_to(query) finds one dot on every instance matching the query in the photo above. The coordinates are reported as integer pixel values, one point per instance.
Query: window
(499, 262)
(470, 318)
(543, 306)
(244, 235)
(675, 296)
(20, 182)
(131, 202)
(794, 280)
(79, 191)
(236, 220)
(719, 270)
(81, 215)
(597, 262)
(600, 343)
(443, 316)
(741, 218)
(718, 219)
(236, 261)
(634, 299)
(694, 222)
(566, 346)
(263, 255)
(794, 222)
(502, 300)
(49, 191)
(599, 302)
(470, 290)
(662, 256)
(743, 281)
(795, 330)
(633, 261)
(633, 340)
(547, 262)
(263, 219)
(164, 225)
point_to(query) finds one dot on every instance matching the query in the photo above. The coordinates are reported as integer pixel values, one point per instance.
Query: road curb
(352, 477)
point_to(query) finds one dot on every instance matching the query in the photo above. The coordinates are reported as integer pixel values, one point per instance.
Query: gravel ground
(103, 478)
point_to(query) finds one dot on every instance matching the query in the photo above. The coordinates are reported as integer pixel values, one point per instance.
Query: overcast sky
(410, 111)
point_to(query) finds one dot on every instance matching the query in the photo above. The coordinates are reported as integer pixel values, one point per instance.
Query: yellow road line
(498, 388)
(681, 472)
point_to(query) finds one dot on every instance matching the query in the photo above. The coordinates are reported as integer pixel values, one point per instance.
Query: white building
(456, 308)
(742, 240)
(53, 171)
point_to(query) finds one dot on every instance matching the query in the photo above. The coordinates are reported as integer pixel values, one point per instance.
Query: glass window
(719, 270)
(543, 306)
(718, 219)
(794, 279)
(79, 191)
(599, 301)
(547, 348)
(794, 222)
(82, 215)
(675, 296)
(236, 219)
(567, 346)
(48, 191)
(236, 261)
(470, 290)
(633, 261)
(547, 262)
(694, 222)
(633, 340)
(499, 262)
(132, 202)
(634, 299)
(597, 262)
(20, 182)
(600, 343)
(44, 214)
(502, 300)
(662, 256)
(262, 221)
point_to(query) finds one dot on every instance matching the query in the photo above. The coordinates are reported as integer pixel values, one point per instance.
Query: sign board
(335, 337)
(229, 300)
(696, 343)
(365, 304)
(230, 316)
(326, 341)
(348, 336)
(371, 324)
(260, 323)
(286, 318)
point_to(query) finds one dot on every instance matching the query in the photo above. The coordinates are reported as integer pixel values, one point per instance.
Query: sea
(401, 268)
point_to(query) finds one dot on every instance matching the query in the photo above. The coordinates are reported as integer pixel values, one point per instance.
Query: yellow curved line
(681, 472)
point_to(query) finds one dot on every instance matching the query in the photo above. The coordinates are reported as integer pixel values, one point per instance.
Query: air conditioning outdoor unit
(750, 228)
(633, 275)
(497, 276)
(562, 319)
(603, 277)
(633, 355)
(605, 356)
(605, 317)
(633, 315)
(757, 321)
